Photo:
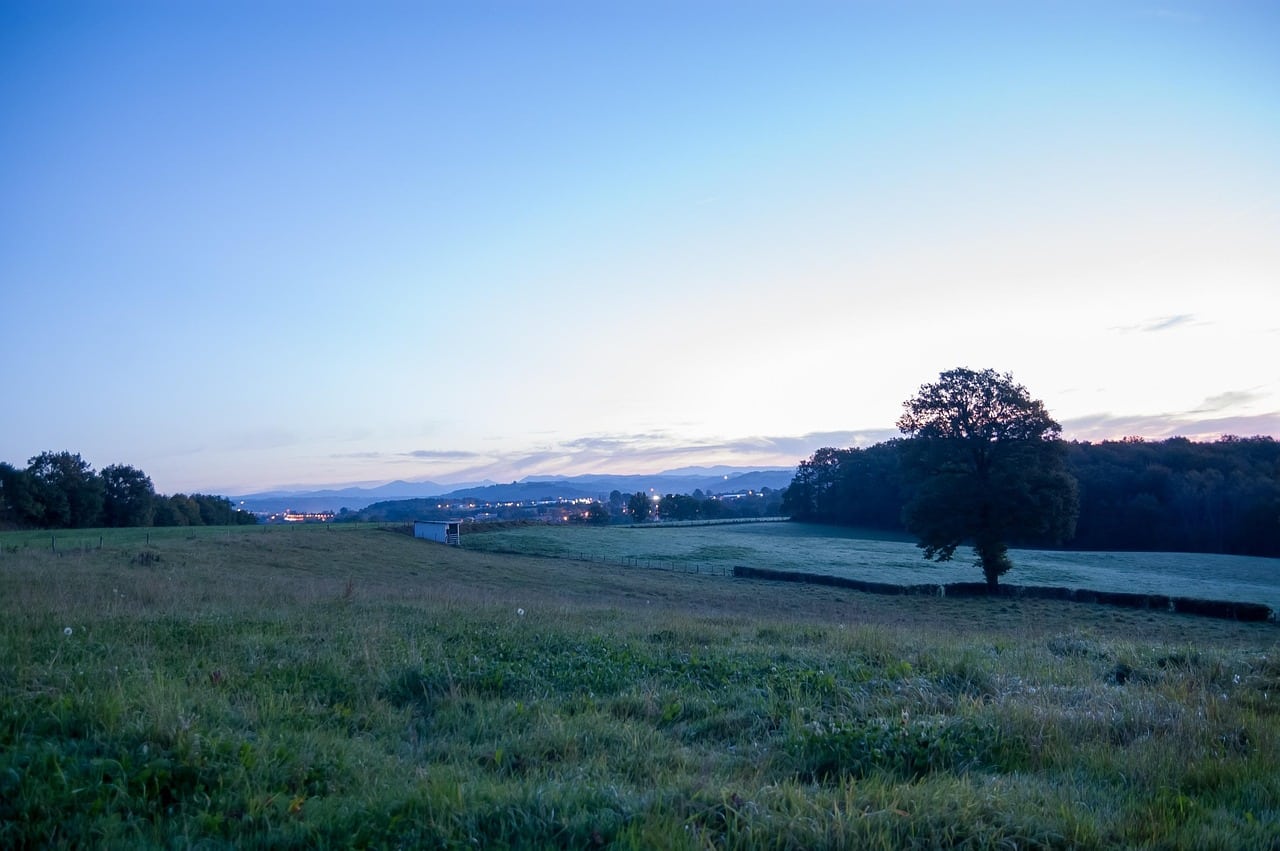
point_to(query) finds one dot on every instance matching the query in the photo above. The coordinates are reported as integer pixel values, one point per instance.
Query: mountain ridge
(718, 479)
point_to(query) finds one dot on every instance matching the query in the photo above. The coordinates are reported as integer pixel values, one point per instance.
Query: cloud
(1178, 15)
(1216, 416)
(651, 448)
(440, 454)
(802, 446)
(1159, 323)
(615, 442)
(1098, 427)
(652, 452)
(1230, 399)
(641, 453)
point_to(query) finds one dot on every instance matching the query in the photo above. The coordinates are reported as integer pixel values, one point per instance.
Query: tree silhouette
(129, 497)
(986, 467)
(639, 506)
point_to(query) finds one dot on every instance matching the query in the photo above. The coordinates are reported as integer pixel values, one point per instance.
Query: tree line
(639, 507)
(1133, 494)
(617, 508)
(60, 490)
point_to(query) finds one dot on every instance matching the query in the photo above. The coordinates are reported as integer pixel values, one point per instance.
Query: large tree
(129, 497)
(68, 488)
(986, 468)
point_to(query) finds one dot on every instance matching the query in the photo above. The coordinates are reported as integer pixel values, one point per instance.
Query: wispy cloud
(639, 453)
(1165, 14)
(802, 446)
(1112, 427)
(616, 442)
(441, 454)
(1224, 401)
(652, 452)
(1159, 323)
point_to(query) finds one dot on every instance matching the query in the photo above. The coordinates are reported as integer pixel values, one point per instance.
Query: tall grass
(301, 688)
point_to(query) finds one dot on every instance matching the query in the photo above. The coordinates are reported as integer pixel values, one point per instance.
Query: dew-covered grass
(313, 688)
(865, 555)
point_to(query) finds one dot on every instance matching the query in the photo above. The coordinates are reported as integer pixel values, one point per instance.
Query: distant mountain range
(335, 499)
(710, 480)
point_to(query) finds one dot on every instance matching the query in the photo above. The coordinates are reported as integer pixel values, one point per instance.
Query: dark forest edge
(60, 490)
(1174, 495)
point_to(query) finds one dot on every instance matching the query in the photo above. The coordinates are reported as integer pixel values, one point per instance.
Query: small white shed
(444, 531)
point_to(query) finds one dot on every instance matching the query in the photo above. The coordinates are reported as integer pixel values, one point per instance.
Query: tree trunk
(994, 560)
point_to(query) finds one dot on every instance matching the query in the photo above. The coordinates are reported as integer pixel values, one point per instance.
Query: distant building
(301, 517)
(444, 531)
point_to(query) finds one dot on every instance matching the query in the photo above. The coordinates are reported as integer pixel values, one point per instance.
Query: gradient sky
(286, 243)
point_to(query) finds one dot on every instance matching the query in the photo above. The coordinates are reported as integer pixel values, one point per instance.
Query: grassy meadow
(882, 557)
(326, 687)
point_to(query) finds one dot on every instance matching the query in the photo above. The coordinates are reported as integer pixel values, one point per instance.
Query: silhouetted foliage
(200, 509)
(986, 468)
(856, 487)
(639, 506)
(165, 513)
(1221, 497)
(680, 506)
(60, 490)
(1171, 495)
(129, 497)
(19, 506)
(68, 490)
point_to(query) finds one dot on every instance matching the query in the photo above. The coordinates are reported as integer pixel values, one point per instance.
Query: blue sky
(266, 244)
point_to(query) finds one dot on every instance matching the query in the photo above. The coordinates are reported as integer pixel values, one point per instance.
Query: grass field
(313, 687)
(860, 554)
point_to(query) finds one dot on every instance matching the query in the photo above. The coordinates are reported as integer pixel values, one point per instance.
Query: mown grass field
(878, 557)
(318, 687)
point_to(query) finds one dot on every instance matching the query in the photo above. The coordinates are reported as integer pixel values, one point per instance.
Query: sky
(256, 245)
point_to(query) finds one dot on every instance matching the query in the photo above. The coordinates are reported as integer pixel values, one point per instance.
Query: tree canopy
(129, 496)
(985, 466)
(639, 506)
(1174, 494)
(59, 490)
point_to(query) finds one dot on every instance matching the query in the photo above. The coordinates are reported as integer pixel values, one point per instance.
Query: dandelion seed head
(68, 631)
(520, 612)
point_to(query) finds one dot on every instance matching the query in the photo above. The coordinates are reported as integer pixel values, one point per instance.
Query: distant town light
(307, 516)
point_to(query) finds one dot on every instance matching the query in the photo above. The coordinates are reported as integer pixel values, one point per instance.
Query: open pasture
(315, 687)
(877, 557)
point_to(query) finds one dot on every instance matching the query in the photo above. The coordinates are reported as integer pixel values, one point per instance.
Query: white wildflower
(68, 631)
(520, 612)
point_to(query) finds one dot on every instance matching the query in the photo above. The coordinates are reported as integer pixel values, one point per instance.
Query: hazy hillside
(710, 480)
